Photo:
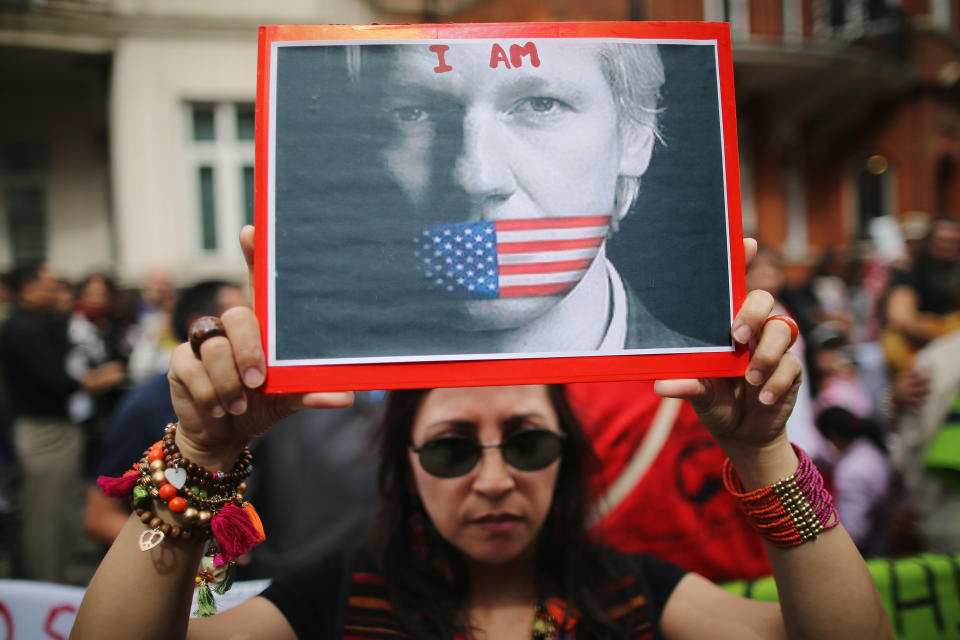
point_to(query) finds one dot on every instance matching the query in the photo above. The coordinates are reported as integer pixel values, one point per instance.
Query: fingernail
(742, 334)
(218, 412)
(253, 378)
(754, 377)
(238, 406)
(766, 397)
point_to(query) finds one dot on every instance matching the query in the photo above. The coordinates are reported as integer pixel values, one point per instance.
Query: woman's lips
(497, 522)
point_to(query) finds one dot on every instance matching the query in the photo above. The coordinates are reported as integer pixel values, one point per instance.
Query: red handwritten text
(498, 55)
(440, 50)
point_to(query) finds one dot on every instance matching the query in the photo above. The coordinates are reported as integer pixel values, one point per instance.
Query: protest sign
(443, 205)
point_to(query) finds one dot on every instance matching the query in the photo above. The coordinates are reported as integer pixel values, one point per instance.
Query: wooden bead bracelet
(188, 488)
(211, 510)
(199, 475)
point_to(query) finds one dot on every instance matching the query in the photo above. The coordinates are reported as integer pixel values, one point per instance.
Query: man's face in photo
(480, 143)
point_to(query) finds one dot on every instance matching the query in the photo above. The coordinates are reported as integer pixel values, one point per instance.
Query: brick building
(126, 124)
(847, 109)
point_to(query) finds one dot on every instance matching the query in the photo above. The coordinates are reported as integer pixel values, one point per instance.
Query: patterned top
(343, 598)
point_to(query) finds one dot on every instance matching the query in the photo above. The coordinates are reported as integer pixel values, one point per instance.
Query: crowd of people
(85, 393)
(69, 352)
(879, 334)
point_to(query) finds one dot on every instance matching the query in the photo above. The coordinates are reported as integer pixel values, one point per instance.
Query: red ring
(794, 329)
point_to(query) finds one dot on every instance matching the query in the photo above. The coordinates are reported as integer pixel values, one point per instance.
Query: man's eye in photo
(410, 114)
(538, 106)
(543, 104)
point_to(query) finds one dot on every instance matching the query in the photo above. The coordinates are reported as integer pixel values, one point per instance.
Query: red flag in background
(660, 487)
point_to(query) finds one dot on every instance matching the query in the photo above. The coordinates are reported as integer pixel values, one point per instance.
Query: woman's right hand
(218, 397)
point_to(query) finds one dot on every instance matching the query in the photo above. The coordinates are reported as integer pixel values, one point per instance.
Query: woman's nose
(493, 478)
(482, 171)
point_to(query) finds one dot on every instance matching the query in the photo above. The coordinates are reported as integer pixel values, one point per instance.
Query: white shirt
(615, 338)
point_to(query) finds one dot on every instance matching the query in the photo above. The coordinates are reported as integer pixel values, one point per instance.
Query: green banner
(921, 593)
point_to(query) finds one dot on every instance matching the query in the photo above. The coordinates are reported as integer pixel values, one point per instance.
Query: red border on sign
(334, 377)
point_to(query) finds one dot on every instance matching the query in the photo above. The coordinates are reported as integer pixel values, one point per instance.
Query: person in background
(48, 445)
(6, 409)
(914, 227)
(922, 303)
(767, 274)
(96, 332)
(326, 450)
(835, 377)
(862, 477)
(66, 297)
(9, 542)
(153, 340)
(835, 294)
(925, 452)
(133, 426)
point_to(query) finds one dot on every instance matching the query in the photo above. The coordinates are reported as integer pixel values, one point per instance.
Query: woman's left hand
(750, 411)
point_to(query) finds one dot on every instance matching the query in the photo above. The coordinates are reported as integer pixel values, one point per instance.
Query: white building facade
(126, 130)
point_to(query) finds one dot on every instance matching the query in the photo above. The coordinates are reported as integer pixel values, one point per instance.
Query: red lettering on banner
(498, 55)
(440, 50)
(517, 52)
(52, 617)
(7, 621)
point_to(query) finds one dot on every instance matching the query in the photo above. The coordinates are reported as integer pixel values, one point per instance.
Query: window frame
(227, 156)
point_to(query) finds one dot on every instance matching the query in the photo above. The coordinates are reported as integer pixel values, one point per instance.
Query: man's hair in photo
(633, 71)
(635, 74)
(202, 299)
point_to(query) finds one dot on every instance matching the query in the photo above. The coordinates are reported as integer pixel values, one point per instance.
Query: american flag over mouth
(510, 258)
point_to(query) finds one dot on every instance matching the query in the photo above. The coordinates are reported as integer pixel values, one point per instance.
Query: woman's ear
(636, 147)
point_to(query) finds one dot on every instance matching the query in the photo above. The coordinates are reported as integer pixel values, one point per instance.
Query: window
(874, 192)
(24, 168)
(27, 223)
(220, 165)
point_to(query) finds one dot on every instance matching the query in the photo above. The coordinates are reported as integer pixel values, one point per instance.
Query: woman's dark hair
(108, 282)
(837, 422)
(428, 592)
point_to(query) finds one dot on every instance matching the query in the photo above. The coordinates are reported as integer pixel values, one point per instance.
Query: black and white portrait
(483, 199)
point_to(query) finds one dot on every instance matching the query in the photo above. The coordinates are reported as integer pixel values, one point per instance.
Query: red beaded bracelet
(791, 511)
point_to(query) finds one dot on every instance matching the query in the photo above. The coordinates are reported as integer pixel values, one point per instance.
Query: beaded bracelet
(185, 486)
(211, 507)
(196, 474)
(791, 511)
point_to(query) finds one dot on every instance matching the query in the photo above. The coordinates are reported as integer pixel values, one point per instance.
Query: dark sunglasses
(453, 456)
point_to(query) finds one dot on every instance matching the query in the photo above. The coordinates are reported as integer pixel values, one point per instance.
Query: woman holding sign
(482, 530)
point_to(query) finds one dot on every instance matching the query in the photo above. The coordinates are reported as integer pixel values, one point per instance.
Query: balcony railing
(58, 6)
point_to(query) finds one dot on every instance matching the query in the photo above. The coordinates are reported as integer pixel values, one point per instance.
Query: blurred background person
(835, 377)
(923, 301)
(767, 274)
(48, 445)
(152, 337)
(914, 228)
(9, 538)
(835, 291)
(96, 333)
(862, 477)
(325, 453)
(926, 451)
(145, 409)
